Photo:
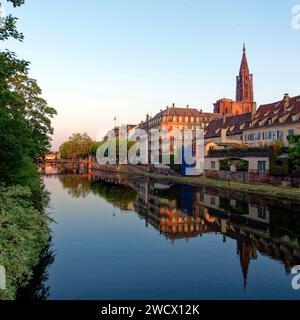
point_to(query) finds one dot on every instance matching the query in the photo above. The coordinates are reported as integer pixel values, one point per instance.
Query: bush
(278, 167)
(225, 165)
(24, 234)
(241, 165)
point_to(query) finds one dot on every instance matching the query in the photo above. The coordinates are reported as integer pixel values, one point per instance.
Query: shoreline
(278, 192)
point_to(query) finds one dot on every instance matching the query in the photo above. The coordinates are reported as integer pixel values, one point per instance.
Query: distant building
(116, 131)
(175, 118)
(274, 121)
(227, 130)
(244, 93)
(52, 156)
(180, 118)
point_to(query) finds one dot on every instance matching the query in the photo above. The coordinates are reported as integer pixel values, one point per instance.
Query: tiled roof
(233, 124)
(187, 112)
(276, 112)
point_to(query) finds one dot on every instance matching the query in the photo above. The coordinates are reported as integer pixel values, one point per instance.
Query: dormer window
(250, 125)
(270, 121)
(294, 117)
(281, 120)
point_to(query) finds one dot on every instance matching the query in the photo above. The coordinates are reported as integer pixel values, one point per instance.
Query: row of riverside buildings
(234, 123)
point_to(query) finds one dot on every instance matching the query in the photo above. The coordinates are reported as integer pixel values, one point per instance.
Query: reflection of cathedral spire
(244, 251)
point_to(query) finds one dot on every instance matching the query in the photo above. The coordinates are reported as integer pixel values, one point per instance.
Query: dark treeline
(25, 130)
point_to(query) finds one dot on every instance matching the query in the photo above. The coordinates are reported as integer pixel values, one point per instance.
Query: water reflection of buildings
(265, 226)
(257, 225)
(160, 208)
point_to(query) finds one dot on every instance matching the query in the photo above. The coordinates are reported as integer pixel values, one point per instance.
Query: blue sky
(97, 59)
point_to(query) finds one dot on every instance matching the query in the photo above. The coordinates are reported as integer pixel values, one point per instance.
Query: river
(121, 237)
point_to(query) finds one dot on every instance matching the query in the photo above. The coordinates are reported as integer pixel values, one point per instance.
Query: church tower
(244, 102)
(244, 82)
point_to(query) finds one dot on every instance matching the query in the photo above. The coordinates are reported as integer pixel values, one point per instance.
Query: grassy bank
(259, 189)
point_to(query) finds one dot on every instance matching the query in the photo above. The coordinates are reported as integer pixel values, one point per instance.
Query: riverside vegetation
(25, 128)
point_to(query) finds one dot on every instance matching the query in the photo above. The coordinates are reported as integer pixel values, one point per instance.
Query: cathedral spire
(244, 63)
(244, 86)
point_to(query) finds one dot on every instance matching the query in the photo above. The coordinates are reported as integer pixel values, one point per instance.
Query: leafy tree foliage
(78, 146)
(115, 141)
(36, 111)
(9, 30)
(294, 155)
(24, 234)
(25, 127)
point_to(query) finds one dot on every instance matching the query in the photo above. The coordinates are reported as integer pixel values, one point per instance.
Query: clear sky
(97, 59)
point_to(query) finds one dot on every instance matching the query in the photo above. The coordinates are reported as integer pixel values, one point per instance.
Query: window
(257, 136)
(280, 135)
(294, 117)
(291, 132)
(262, 166)
(265, 135)
(262, 212)
(213, 164)
(281, 120)
(250, 137)
(192, 119)
(213, 200)
(272, 135)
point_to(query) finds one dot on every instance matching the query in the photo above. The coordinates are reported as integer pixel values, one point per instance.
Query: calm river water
(120, 237)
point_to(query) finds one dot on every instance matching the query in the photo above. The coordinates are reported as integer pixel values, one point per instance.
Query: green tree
(36, 111)
(294, 155)
(78, 146)
(118, 143)
(25, 126)
(9, 30)
(24, 234)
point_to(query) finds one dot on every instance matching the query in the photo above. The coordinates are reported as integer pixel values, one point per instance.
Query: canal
(121, 237)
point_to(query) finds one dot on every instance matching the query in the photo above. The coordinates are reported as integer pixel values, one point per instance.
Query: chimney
(173, 105)
(286, 101)
(201, 111)
(167, 107)
(187, 106)
(224, 119)
(253, 109)
(223, 135)
(147, 117)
